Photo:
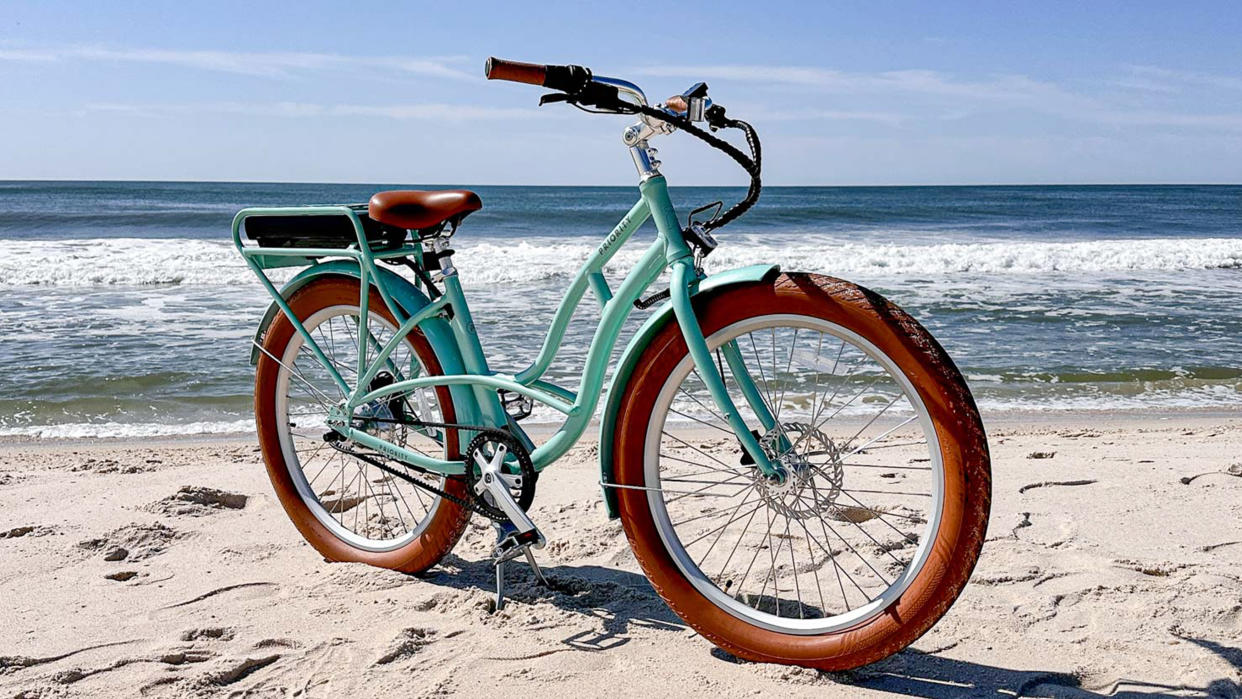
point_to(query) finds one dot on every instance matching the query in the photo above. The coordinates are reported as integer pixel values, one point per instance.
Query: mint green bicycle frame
(669, 250)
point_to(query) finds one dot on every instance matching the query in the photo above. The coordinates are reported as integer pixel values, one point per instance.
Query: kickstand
(503, 556)
(530, 558)
(500, 585)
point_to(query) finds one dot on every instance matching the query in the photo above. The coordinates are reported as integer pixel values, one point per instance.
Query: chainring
(523, 486)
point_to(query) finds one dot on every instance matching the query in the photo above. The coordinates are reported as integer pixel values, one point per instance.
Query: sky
(842, 93)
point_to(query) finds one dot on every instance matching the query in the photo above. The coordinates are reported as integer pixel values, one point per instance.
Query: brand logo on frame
(612, 237)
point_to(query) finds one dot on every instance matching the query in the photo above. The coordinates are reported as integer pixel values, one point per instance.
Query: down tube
(621, 233)
(615, 313)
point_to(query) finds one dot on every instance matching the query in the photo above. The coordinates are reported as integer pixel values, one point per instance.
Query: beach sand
(1113, 565)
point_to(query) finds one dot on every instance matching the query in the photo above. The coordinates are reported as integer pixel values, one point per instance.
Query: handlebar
(563, 78)
(580, 88)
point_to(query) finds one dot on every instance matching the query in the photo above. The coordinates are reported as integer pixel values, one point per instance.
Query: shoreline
(999, 421)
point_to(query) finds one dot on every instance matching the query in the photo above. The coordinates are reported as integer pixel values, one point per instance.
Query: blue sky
(842, 93)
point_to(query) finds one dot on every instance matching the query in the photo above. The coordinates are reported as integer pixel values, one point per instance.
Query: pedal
(511, 543)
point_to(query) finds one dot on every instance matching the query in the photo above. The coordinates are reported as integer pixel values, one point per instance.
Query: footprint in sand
(196, 501)
(132, 542)
(407, 644)
(214, 633)
(239, 670)
(28, 530)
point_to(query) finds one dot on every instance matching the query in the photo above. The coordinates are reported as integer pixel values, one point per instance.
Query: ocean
(128, 313)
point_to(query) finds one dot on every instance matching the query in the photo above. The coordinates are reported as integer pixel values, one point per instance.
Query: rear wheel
(348, 509)
(876, 528)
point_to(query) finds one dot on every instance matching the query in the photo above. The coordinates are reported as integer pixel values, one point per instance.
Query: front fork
(683, 276)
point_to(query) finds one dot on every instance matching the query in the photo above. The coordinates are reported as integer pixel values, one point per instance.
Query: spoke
(823, 606)
(818, 406)
(772, 556)
(886, 492)
(736, 544)
(877, 416)
(880, 516)
(733, 517)
(767, 390)
(793, 567)
(857, 465)
(693, 480)
(882, 436)
(873, 539)
(705, 467)
(702, 422)
(897, 444)
(766, 387)
(827, 402)
(295, 373)
(332, 344)
(847, 403)
(780, 402)
(753, 558)
(679, 439)
(708, 487)
(701, 403)
(856, 553)
(706, 515)
(836, 567)
(396, 488)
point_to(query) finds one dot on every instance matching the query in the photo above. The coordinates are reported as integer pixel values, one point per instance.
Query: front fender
(411, 300)
(662, 316)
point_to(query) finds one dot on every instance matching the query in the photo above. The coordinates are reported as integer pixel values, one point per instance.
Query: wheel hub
(811, 462)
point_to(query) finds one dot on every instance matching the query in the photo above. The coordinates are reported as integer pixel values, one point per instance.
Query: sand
(1113, 566)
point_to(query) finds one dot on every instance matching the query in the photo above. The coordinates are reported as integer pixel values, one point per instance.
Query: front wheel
(876, 527)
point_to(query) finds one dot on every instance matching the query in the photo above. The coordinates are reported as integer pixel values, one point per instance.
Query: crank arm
(493, 481)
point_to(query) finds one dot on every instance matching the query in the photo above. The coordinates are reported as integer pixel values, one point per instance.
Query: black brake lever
(552, 97)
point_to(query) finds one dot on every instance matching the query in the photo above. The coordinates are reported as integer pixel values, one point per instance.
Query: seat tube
(473, 360)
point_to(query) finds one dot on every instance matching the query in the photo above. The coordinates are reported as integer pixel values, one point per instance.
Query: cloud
(965, 97)
(1009, 88)
(429, 112)
(1170, 80)
(260, 64)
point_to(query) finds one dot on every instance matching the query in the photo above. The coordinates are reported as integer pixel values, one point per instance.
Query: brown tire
(443, 521)
(949, 556)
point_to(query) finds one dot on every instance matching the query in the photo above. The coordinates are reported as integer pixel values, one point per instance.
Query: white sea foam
(130, 262)
(96, 430)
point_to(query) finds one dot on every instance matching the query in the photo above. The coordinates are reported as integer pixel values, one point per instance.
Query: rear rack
(300, 236)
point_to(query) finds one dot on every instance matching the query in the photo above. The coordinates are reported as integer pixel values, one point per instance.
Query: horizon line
(627, 186)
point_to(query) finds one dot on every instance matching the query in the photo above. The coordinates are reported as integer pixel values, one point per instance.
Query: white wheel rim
(660, 491)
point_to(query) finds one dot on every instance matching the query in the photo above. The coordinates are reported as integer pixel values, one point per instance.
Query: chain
(469, 504)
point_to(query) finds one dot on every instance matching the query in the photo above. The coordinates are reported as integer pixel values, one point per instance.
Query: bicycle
(835, 517)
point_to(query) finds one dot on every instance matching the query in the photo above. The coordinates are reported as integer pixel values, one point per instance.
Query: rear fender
(657, 321)
(411, 300)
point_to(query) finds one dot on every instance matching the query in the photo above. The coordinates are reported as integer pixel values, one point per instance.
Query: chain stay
(469, 504)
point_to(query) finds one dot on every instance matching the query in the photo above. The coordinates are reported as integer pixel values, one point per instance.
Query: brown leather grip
(515, 71)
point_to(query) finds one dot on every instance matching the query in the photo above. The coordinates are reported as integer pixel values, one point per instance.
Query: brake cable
(716, 118)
